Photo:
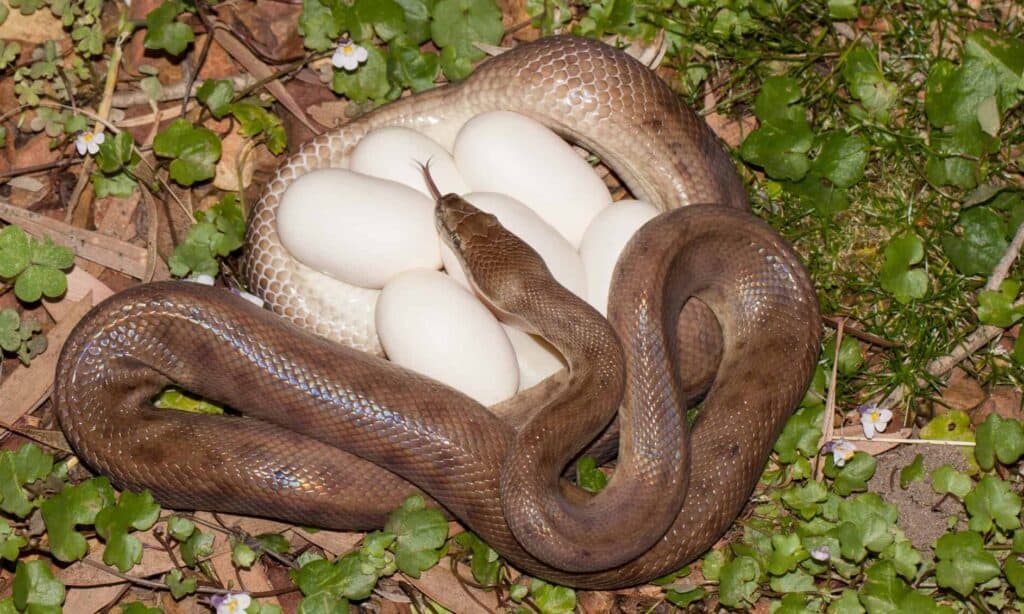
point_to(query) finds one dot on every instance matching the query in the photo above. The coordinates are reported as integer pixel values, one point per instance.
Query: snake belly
(335, 437)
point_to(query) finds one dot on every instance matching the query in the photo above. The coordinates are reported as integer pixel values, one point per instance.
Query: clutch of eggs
(372, 225)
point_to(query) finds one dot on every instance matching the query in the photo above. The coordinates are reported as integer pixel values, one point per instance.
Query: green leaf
(420, 535)
(787, 553)
(963, 562)
(318, 26)
(981, 243)
(738, 582)
(954, 93)
(953, 425)
(242, 555)
(18, 468)
(1013, 568)
(180, 585)
(904, 557)
(897, 276)
(274, 542)
(11, 543)
(194, 151)
(999, 438)
(552, 599)
(46, 253)
(368, 81)
(682, 599)
(412, 68)
(37, 281)
(113, 524)
(137, 607)
(459, 24)
(843, 9)
(945, 480)
(385, 16)
(801, 434)
(14, 251)
(814, 191)
(589, 476)
(180, 528)
(417, 21)
(805, 499)
(846, 604)
(198, 546)
(115, 153)
(993, 500)
(863, 75)
(912, 472)
(853, 476)
(1005, 55)
(163, 31)
(217, 95)
(997, 308)
(781, 143)
(842, 158)
(119, 184)
(35, 589)
(484, 563)
(850, 356)
(256, 121)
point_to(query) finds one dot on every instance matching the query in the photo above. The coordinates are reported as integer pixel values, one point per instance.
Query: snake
(708, 304)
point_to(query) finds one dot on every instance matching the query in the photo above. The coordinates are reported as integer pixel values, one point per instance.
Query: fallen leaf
(113, 216)
(962, 392)
(441, 585)
(233, 146)
(1004, 401)
(33, 29)
(874, 448)
(81, 284)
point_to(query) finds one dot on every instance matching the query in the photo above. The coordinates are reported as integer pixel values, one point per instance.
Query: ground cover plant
(882, 138)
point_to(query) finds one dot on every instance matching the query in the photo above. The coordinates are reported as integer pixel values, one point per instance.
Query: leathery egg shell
(537, 359)
(561, 258)
(359, 229)
(396, 153)
(604, 241)
(430, 324)
(512, 154)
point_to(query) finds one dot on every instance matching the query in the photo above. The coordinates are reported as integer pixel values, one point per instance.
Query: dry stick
(977, 339)
(124, 100)
(828, 427)
(103, 112)
(933, 442)
(863, 335)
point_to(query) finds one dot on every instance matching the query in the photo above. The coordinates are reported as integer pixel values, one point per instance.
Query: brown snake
(335, 437)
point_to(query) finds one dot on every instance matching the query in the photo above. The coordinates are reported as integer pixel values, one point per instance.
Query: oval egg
(604, 241)
(561, 258)
(430, 324)
(537, 359)
(359, 229)
(396, 153)
(512, 154)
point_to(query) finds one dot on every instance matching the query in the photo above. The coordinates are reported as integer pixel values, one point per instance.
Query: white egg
(396, 153)
(429, 323)
(537, 359)
(562, 259)
(359, 229)
(604, 241)
(511, 154)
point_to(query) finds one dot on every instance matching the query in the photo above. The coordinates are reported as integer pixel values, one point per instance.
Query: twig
(863, 335)
(932, 442)
(176, 91)
(35, 168)
(202, 57)
(828, 426)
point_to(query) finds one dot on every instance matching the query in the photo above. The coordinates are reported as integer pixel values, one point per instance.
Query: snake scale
(331, 435)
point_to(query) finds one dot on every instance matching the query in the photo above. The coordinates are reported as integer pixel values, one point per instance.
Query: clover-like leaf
(17, 468)
(164, 31)
(854, 475)
(999, 438)
(369, 81)
(951, 426)
(11, 543)
(904, 557)
(800, 435)
(420, 535)
(992, 500)
(217, 95)
(842, 158)
(805, 499)
(35, 589)
(981, 243)
(113, 523)
(863, 75)
(14, 251)
(897, 275)
(1013, 569)
(179, 584)
(738, 582)
(458, 25)
(254, 120)
(484, 564)
(412, 68)
(945, 480)
(589, 476)
(787, 553)
(180, 528)
(552, 599)
(75, 505)
(194, 151)
(963, 562)
(198, 546)
(912, 472)
(1004, 54)
(997, 308)
(780, 145)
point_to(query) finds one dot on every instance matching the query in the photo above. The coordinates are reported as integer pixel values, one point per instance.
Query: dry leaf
(81, 284)
(113, 216)
(962, 392)
(233, 146)
(874, 448)
(441, 585)
(1004, 401)
(33, 29)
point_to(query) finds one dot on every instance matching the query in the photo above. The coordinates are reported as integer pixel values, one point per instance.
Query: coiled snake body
(336, 437)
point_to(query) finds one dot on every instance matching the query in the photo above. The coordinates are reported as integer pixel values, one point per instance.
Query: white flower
(841, 450)
(348, 55)
(89, 142)
(821, 553)
(232, 603)
(874, 419)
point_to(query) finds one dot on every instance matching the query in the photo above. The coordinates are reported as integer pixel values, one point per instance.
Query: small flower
(89, 142)
(348, 55)
(252, 298)
(821, 554)
(841, 450)
(232, 603)
(874, 419)
(202, 279)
